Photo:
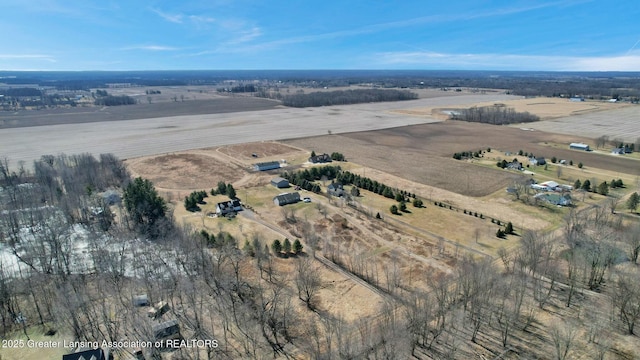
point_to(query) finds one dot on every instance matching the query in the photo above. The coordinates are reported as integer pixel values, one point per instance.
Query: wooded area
(77, 255)
(345, 97)
(495, 115)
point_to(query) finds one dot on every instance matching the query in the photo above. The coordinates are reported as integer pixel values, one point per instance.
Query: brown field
(214, 105)
(184, 171)
(423, 153)
(545, 108)
(263, 150)
(621, 123)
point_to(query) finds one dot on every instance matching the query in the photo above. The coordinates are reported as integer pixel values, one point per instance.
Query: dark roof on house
(166, 328)
(287, 198)
(320, 158)
(335, 186)
(231, 204)
(93, 354)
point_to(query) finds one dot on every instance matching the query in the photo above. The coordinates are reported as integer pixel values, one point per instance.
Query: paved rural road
(133, 138)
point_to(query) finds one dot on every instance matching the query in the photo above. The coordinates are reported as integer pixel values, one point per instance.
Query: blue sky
(571, 35)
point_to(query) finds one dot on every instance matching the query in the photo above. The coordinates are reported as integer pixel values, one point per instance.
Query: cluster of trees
(21, 91)
(115, 100)
(495, 115)
(617, 143)
(15, 98)
(146, 208)
(153, 92)
(219, 240)
(305, 178)
(247, 88)
(336, 156)
(508, 230)
(402, 198)
(362, 182)
(197, 197)
(601, 188)
(500, 306)
(633, 201)
(469, 154)
(224, 189)
(504, 163)
(285, 248)
(345, 97)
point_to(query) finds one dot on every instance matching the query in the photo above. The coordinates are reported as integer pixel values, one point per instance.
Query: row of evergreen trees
(197, 197)
(602, 188)
(285, 247)
(305, 178)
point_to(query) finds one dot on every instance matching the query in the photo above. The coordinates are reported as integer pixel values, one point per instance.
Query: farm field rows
(423, 153)
(617, 124)
(133, 138)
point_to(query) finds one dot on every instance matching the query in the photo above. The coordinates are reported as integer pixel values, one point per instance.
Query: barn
(579, 146)
(287, 198)
(264, 166)
(280, 182)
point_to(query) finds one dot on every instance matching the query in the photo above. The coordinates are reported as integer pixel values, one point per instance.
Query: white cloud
(432, 19)
(151, 48)
(435, 60)
(201, 19)
(48, 58)
(179, 18)
(246, 35)
(174, 18)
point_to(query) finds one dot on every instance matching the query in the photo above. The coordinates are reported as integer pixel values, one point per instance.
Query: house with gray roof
(287, 198)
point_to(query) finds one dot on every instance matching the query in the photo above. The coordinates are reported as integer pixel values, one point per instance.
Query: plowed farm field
(423, 153)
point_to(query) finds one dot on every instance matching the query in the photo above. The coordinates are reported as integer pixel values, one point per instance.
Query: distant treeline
(495, 115)
(20, 92)
(249, 88)
(344, 97)
(111, 100)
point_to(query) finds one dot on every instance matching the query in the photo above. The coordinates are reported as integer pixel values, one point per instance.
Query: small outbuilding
(280, 182)
(264, 166)
(141, 300)
(167, 330)
(287, 198)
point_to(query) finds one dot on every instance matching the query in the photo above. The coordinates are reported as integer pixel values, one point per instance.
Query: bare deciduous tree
(563, 336)
(307, 281)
